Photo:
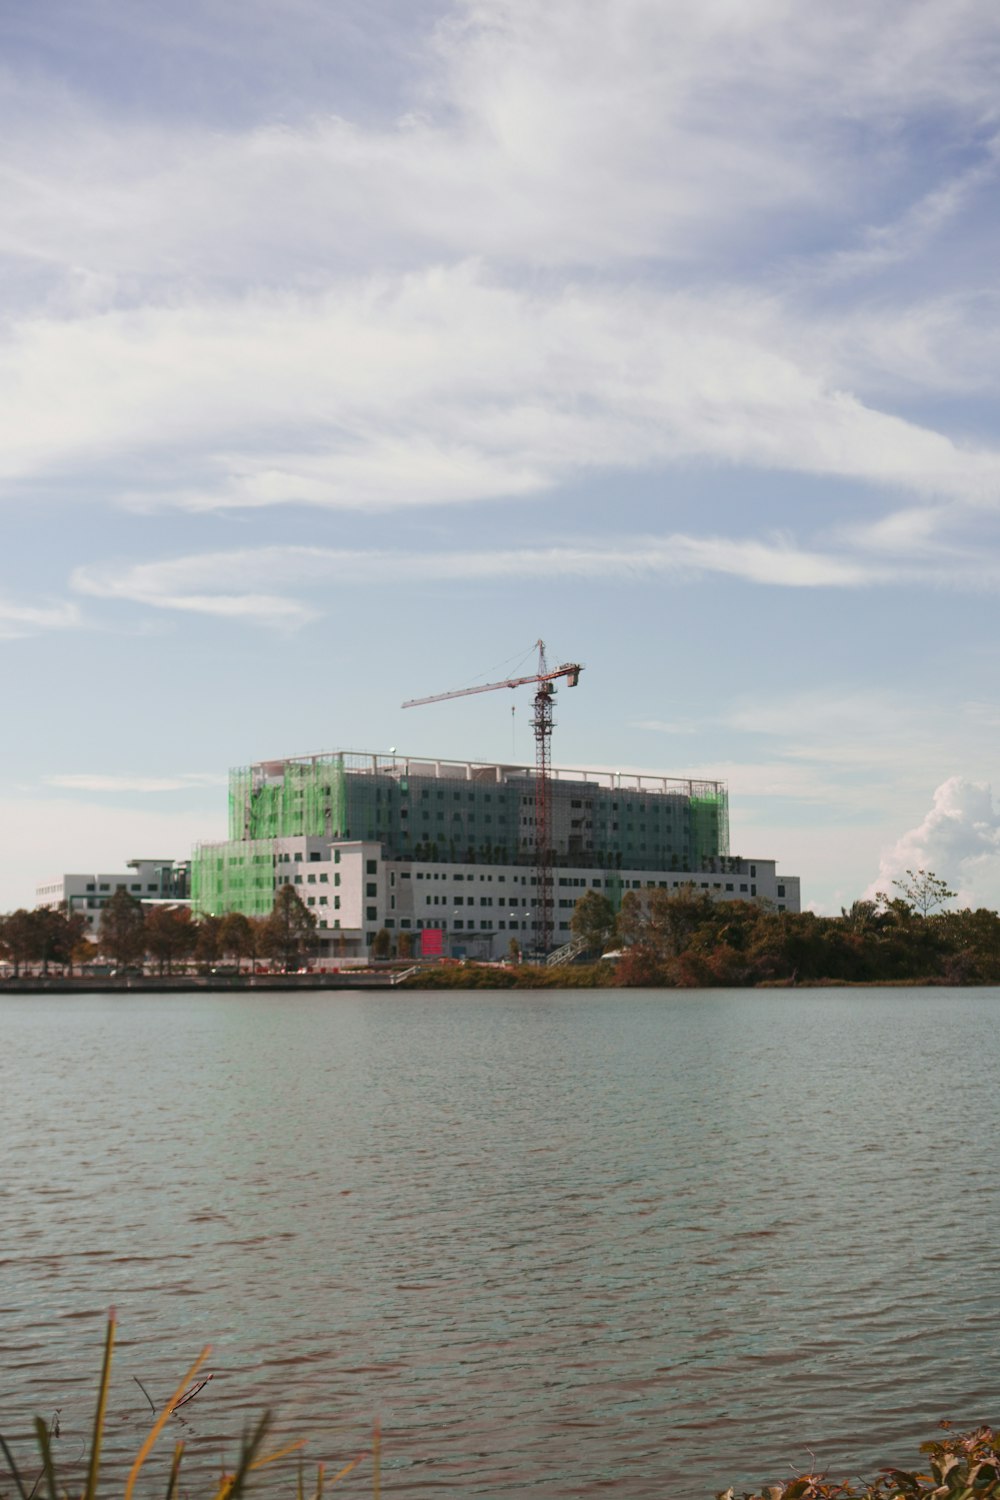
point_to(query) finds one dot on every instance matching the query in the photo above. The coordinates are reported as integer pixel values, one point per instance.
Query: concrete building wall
(87, 894)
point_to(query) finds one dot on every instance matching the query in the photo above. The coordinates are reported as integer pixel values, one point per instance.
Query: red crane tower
(542, 724)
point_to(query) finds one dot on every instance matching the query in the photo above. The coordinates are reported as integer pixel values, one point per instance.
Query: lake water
(622, 1243)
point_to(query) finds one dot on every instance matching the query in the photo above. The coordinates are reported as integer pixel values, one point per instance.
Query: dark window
(371, 867)
(371, 915)
(781, 890)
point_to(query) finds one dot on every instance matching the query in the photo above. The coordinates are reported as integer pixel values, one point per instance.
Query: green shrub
(963, 1467)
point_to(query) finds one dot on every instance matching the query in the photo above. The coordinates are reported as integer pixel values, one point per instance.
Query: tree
(923, 890)
(206, 945)
(405, 945)
(18, 936)
(236, 936)
(382, 944)
(631, 923)
(123, 922)
(170, 935)
(289, 929)
(55, 933)
(593, 921)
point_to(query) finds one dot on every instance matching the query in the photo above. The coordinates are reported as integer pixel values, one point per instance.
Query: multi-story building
(445, 850)
(146, 879)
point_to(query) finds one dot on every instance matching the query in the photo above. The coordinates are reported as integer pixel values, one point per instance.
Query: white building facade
(145, 879)
(442, 852)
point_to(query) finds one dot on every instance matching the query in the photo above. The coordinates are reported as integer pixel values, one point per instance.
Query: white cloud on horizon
(84, 781)
(958, 839)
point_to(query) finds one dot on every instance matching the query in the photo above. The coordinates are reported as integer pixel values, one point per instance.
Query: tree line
(685, 938)
(132, 934)
(679, 937)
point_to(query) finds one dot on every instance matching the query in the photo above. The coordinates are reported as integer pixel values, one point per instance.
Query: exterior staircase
(565, 954)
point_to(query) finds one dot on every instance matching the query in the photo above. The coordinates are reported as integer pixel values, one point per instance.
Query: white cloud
(958, 839)
(18, 620)
(440, 387)
(227, 583)
(577, 134)
(83, 781)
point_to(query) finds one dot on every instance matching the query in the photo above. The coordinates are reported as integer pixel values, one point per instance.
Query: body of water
(628, 1243)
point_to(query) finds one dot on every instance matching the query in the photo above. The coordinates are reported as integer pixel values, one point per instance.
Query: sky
(351, 346)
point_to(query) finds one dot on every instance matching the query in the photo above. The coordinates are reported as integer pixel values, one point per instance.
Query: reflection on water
(617, 1243)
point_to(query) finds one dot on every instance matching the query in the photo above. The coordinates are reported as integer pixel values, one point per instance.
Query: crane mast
(544, 680)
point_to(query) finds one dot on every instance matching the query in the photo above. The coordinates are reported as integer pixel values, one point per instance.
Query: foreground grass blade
(12, 1466)
(269, 1458)
(175, 1468)
(232, 1486)
(90, 1492)
(45, 1448)
(342, 1473)
(162, 1420)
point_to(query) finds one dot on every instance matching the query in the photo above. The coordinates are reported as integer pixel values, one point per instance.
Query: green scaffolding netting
(292, 799)
(237, 876)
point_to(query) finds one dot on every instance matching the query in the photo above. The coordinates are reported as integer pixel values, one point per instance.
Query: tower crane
(542, 722)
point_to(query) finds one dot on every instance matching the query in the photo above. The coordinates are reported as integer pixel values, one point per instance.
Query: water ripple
(594, 1244)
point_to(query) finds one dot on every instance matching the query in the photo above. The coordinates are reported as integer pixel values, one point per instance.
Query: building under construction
(447, 851)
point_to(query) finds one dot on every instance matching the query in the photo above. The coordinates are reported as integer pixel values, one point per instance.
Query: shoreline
(478, 979)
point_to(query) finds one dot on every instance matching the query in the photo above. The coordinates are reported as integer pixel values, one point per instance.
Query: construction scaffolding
(288, 799)
(449, 812)
(238, 876)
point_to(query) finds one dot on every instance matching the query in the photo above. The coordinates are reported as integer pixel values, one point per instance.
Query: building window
(781, 890)
(371, 867)
(371, 889)
(371, 914)
(324, 879)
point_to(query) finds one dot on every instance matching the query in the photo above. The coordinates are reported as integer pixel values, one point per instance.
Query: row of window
(104, 886)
